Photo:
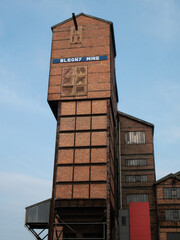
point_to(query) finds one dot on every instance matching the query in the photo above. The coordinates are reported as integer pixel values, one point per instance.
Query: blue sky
(147, 35)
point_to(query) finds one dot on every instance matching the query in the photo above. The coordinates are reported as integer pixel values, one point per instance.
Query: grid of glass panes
(135, 137)
(136, 162)
(172, 215)
(173, 192)
(136, 178)
(137, 198)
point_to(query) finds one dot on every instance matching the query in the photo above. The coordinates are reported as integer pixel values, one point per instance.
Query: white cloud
(22, 189)
(162, 19)
(18, 192)
(10, 96)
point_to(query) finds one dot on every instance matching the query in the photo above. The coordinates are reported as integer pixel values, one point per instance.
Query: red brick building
(104, 184)
(168, 204)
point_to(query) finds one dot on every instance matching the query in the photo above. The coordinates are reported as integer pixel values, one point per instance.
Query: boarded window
(137, 198)
(136, 178)
(172, 192)
(172, 215)
(135, 137)
(123, 221)
(173, 235)
(136, 162)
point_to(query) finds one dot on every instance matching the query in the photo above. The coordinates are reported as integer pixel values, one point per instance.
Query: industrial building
(104, 184)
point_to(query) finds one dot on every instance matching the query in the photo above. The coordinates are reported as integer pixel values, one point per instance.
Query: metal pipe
(119, 153)
(75, 23)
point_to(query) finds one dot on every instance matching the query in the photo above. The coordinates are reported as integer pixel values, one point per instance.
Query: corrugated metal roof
(38, 213)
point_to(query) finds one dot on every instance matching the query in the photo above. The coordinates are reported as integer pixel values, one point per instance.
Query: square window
(174, 193)
(123, 221)
(176, 214)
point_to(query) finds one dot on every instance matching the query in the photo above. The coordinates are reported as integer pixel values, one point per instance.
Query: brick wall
(167, 204)
(82, 152)
(95, 41)
(139, 151)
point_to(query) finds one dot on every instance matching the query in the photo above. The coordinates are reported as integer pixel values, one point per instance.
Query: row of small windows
(173, 192)
(136, 178)
(136, 162)
(137, 198)
(135, 137)
(172, 215)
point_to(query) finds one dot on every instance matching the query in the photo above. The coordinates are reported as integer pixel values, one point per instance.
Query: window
(134, 137)
(136, 162)
(172, 215)
(137, 198)
(123, 221)
(136, 178)
(173, 235)
(172, 192)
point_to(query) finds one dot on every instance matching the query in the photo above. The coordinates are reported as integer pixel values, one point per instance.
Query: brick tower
(83, 97)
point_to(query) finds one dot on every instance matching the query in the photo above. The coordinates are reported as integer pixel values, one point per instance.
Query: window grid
(172, 192)
(136, 162)
(137, 198)
(172, 215)
(135, 137)
(136, 178)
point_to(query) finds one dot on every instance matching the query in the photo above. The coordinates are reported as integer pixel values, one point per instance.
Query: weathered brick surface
(63, 191)
(54, 89)
(100, 69)
(98, 87)
(83, 107)
(99, 106)
(98, 191)
(66, 139)
(83, 123)
(81, 173)
(99, 94)
(98, 173)
(65, 156)
(82, 139)
(64, 174)
(67, 124)
(78, 52)
(55, 71)
(52, 97)
(99, 138)
(99, 122)
(67, 108)
(55, 80)
(98, 155)
(82, 155)
(81, 191)
(98, 78)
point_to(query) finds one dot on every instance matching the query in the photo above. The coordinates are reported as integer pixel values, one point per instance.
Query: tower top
(82, 61)
(96, 18)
